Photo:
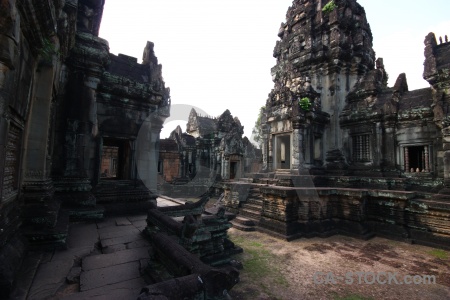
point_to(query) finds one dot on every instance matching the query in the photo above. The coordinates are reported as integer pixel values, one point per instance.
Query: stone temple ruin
(342, 152)
(79, 136)
(211, 150)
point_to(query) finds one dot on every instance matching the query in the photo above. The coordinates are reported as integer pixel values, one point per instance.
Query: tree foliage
(257, 129)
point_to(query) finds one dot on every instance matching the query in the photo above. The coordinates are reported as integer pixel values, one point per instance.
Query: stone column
(275, 158)
(377, 151)
(82, 146)
(9, 41)
(446, 160)
(226, 168)
(427, 160)
(389, 151)
(270, 151)
(147, 155)
(297, 147)
(40, 210)
(154, 156)
(265, 150)
(4, 69)
(406, 159)
(80, 170)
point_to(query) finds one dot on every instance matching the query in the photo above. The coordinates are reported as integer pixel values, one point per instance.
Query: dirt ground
(319, 268)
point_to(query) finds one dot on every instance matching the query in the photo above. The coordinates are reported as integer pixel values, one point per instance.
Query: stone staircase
(243, 224)
(124, 196)
(249, 212)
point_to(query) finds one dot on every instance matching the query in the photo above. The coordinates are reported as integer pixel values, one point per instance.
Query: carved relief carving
(36, 174)
(10, 179)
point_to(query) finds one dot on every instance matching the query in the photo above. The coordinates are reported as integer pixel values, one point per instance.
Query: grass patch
(439, 253)
(260, 265)
(255, 244)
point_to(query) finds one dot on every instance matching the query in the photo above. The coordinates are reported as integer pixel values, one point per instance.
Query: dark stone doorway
(116, 159)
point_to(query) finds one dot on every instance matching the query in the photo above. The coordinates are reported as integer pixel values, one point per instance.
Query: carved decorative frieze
(12, 157)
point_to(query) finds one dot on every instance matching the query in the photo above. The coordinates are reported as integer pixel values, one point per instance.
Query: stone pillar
(389, 151)
(270, 150)
(297, 147)
(9, 41)
(40, 210)
(446, 160)
(12, 246)
(427, 160)
(83, 148)
(147, 155)
(4, 69)
(377, 149)
(225, 168)
(406, 159)
(275, 158)
(265, 150)
(154, 156)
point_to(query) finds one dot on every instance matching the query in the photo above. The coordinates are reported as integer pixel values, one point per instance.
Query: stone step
(49, 238)
(242, 227)
(282, 171)
(270, 181)
(244, 221)
(87, 213)
(250, 213)
(249, 180)
(255, 193)
(251, 206)
(255, 201)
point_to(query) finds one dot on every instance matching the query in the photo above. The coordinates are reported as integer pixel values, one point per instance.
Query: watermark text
(372, 278)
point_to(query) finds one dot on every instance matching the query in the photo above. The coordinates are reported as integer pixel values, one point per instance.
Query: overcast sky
(217, 55)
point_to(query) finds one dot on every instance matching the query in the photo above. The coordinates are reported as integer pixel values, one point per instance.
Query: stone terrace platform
(103, 260)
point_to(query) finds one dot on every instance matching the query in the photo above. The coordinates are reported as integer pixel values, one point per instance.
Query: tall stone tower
(324, 48)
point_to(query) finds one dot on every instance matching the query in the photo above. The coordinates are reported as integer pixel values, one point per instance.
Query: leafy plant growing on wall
(47, 50)
(305, 103)
(329, 7)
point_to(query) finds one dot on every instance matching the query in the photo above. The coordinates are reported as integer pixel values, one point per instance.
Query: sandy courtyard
(327, 269)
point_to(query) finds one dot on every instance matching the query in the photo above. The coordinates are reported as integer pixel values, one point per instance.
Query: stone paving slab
(122, 221)
(117, 258)
(81, 235)
(105, 276)
(114, 248)
(106, 223)
(121, 240)
(26, 275)
(140, 224)
(114, 228)
(114, 234)
(49, 278)
(138, 244)
(137, 218)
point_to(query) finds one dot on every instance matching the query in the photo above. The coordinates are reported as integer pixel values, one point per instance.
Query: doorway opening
(283, 153)
(116, 159)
